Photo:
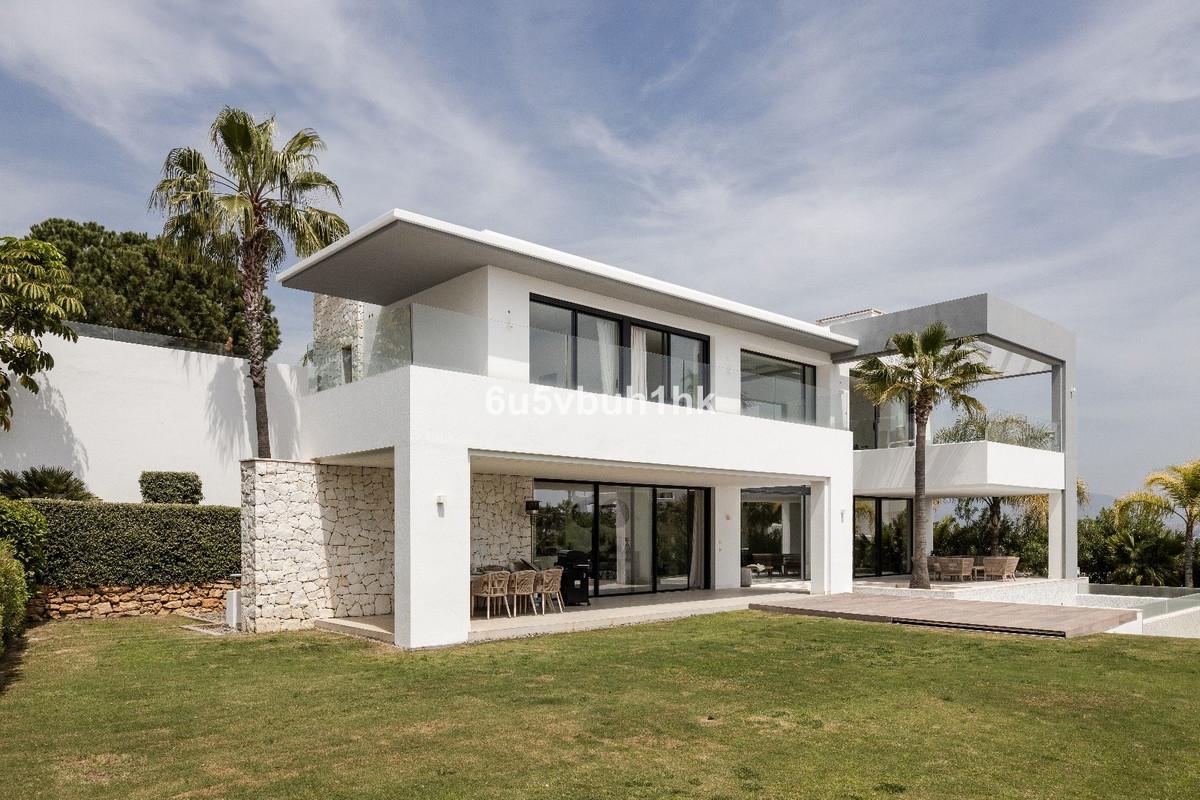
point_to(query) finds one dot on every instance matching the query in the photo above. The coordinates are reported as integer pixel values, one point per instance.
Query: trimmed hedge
(130, 544)
(171, 487)
(25, 528)
(14, 595)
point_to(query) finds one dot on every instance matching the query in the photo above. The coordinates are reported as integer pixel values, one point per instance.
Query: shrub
(14, 594)
(129, 544)
(24, 527)
(58, 483)
(171, 487)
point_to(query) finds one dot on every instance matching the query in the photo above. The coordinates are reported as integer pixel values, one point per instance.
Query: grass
(729, 705)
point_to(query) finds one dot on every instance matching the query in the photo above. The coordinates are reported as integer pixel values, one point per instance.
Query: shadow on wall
(41, 433)
(229, 410)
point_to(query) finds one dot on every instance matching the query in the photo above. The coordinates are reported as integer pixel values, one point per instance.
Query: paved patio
(604, 612)
(977, 615)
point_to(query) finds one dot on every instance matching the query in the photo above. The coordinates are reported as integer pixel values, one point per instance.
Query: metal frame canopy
(402, 253)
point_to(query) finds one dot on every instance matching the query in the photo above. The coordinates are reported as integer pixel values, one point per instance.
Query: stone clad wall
(337, 323)
(499, 524)
(317, 542)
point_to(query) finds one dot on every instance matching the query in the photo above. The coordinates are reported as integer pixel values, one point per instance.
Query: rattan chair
(493, 587)
(958, 567)
(521, 585)
(935, 567)
(551, 588)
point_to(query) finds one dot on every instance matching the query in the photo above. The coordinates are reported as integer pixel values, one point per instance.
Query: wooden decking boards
(976, 615)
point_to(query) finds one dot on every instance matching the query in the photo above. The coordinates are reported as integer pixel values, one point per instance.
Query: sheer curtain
(637, 361)
(610, 364)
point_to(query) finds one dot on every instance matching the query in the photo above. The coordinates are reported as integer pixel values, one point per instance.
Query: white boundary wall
(109, 410)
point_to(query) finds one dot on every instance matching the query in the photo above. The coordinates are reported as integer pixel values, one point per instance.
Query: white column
(831, 537)
(727, 532)
(1060, 565)
(433, 545)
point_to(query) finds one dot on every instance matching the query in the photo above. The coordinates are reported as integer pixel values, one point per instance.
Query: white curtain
(610, 364)
(637, 360)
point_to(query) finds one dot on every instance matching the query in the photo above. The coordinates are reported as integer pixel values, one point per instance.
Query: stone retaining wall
(317, 542)
(100, 602)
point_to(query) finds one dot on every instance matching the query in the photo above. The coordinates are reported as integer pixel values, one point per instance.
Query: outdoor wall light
(441, 501)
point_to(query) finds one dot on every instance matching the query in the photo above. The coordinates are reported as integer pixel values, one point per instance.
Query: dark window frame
(807, 369)
(625, 325)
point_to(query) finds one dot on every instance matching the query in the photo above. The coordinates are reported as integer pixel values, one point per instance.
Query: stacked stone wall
(499, 523)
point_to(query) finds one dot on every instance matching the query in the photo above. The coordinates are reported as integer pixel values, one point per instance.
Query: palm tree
(928, 367)
(249, 212)
(1174, 490)
(1150, 559)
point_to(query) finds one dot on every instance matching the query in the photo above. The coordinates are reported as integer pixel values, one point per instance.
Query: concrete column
(433, 544)
(1061, 565)
(831, 537)
(1062, 394)
(727, 533)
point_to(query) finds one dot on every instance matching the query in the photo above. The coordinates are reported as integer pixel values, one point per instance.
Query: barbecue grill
(576, 578)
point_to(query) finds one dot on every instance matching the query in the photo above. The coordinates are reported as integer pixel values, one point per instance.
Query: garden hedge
(14, 594)
(25, 528)
(130, 544)
(171, 487)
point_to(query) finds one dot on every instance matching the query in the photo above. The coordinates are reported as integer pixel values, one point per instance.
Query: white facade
(423, 381)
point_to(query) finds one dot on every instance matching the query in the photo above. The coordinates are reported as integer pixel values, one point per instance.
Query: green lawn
(731, 705)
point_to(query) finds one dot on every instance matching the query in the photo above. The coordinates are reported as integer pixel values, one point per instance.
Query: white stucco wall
(109, 410)
(959, 469)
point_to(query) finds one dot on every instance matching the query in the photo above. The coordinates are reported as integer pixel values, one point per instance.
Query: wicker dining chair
(521, 585)
(493, 587)
(551, 588)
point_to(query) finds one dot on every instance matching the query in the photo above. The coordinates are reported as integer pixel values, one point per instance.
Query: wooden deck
(973, 615)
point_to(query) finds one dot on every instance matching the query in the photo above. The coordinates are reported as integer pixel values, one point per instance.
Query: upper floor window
(774, 388)
(575, 347)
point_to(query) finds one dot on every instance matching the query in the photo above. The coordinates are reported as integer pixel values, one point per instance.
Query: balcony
(419, 335)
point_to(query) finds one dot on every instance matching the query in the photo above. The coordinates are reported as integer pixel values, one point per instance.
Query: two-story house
(476, 399)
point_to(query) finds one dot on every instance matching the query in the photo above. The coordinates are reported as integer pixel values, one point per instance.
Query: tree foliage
(925, 368)
(248, 210)
(141, 283)
(1134, 546)
(1173, 491)
(36, 300)
(56, 483)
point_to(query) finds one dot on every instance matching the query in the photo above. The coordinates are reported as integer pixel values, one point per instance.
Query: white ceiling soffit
(401, 253)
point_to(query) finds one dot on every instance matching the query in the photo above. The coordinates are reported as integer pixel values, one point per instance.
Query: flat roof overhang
(402, 253)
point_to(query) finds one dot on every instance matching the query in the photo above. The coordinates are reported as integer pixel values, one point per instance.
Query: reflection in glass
(549, 345)
(673, 532)
(895, 537)
(598, 354)
(563, 521)
(624, 552)
(864, 537)
(687, 371)
(777, 389)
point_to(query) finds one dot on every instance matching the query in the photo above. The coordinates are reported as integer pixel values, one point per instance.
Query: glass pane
(864, 537)
(895, 426)
(687, 370)
(599, 354)
(649, 353)
(549, 345)
(762, 533)
(895, 541)
(674, 537)
(623, 560)
(563, 521)
(778, 389)
(862, 418)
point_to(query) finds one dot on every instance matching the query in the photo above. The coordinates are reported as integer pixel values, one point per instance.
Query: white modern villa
(472, 400)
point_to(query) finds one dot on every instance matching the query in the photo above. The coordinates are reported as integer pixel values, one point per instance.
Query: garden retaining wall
(100, 602)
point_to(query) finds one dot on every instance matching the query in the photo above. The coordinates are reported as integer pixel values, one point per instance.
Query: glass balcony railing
(420, 335)
(1002, 427)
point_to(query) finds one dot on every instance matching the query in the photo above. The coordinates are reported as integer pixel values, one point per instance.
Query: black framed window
(576, 347)
(883, 538)
(775, 388)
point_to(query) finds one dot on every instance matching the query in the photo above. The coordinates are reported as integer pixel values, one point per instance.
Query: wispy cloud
(807, 158)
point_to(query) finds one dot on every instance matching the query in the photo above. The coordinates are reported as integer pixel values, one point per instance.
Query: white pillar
(1060, 565)
(727, 533)
(433, 545)
(831, 537)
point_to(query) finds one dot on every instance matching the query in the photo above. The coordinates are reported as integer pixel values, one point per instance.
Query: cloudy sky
(806, 158)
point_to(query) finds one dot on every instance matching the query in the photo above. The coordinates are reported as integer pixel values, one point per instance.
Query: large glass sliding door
(625, 547)
(641, 538)
(882, 536)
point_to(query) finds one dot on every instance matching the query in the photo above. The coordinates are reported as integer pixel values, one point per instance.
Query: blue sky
(807, 158)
